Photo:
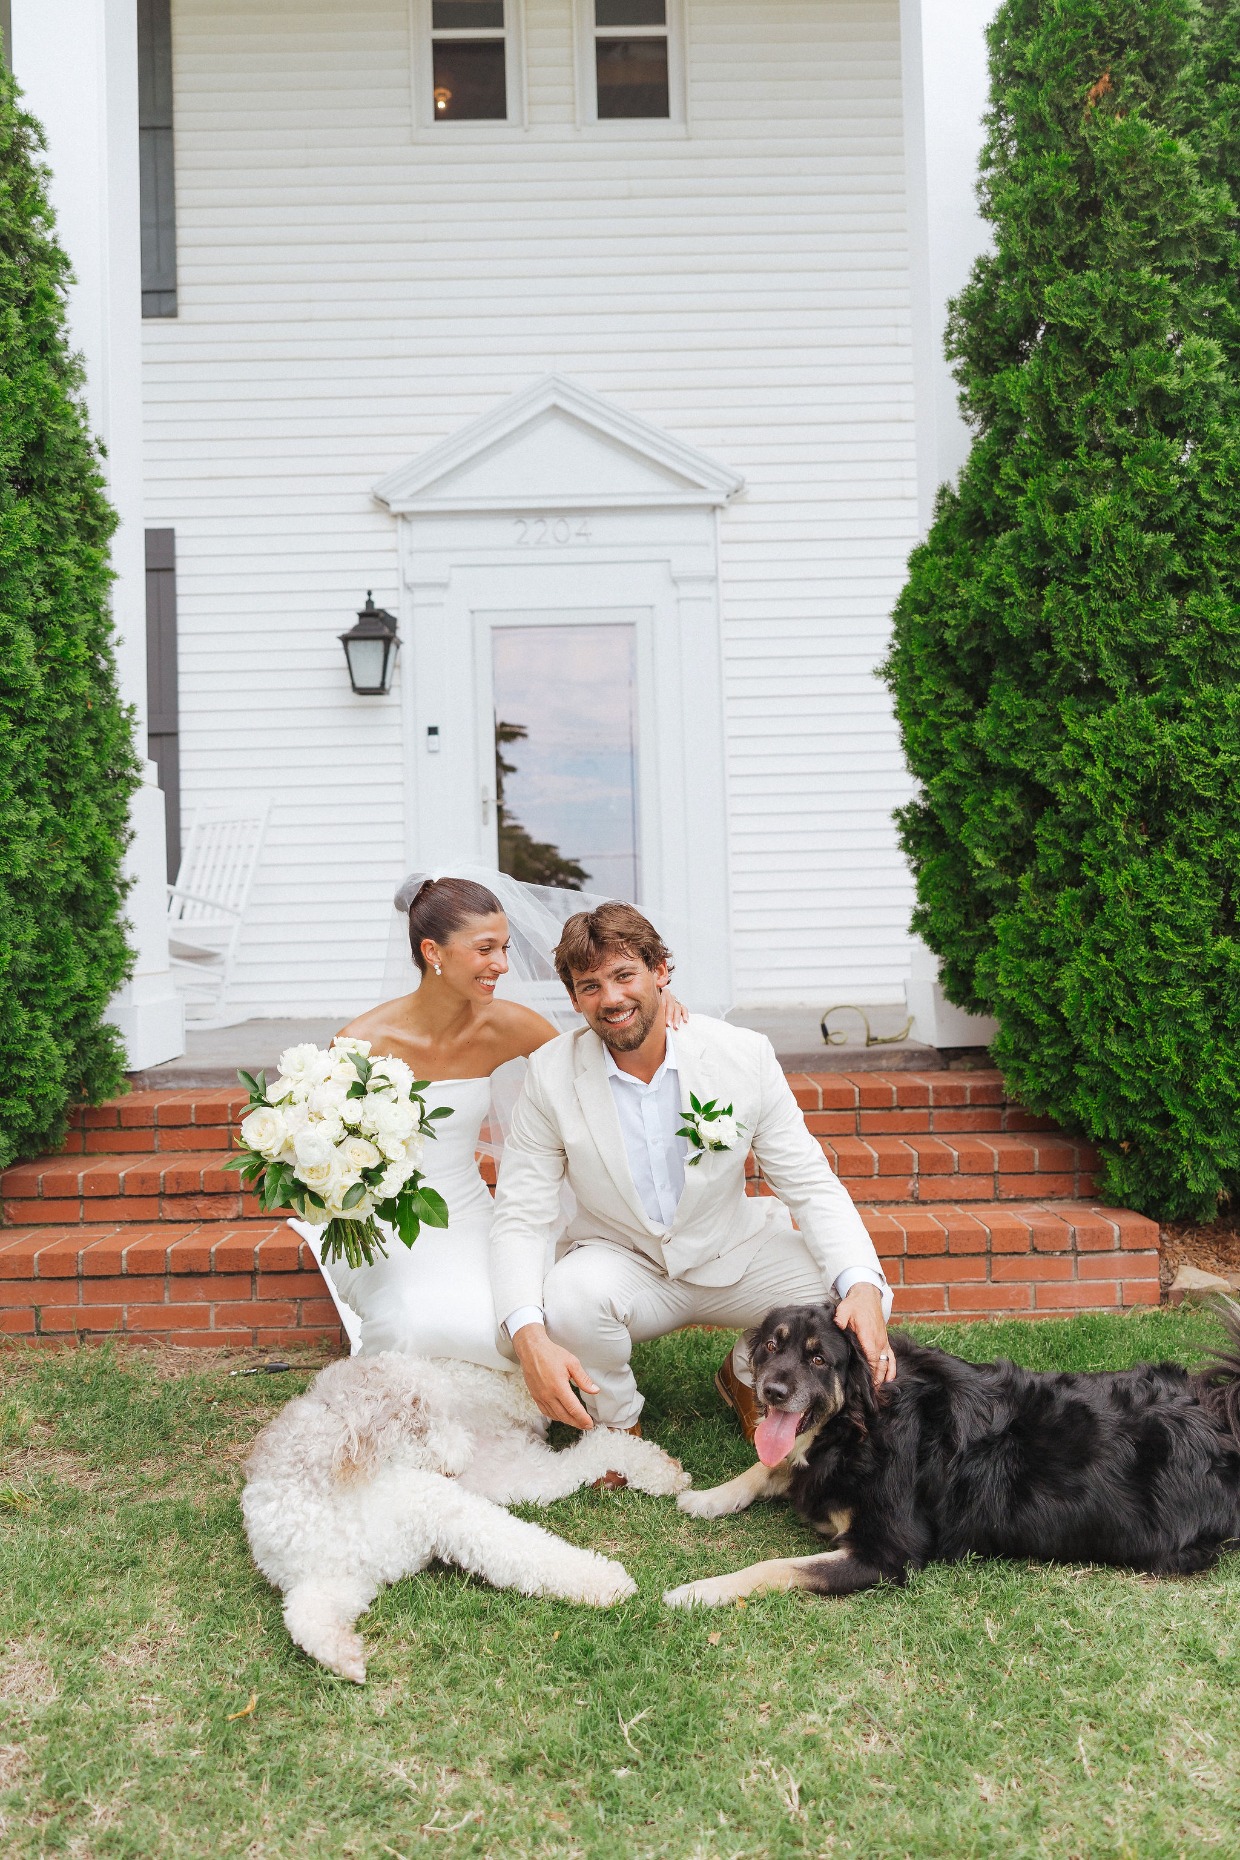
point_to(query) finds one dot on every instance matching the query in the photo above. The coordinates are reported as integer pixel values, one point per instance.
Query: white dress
(434, 1298)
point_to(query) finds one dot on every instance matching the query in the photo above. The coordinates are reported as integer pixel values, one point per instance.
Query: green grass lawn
(988, 1709)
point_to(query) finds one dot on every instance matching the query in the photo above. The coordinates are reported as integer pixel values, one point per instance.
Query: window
(630, 58)
(630, 61)
(157, 203)
(467, 66)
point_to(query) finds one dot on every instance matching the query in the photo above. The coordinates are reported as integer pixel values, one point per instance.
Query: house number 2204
(550, 532)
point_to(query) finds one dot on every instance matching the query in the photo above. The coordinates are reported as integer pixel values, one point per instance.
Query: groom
(660, 1240)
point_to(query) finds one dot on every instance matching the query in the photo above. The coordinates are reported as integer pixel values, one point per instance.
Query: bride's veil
(536, 916)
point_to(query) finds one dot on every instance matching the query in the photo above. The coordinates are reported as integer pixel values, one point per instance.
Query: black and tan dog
(1139, 1468)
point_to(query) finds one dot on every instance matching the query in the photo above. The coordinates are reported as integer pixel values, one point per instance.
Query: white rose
(398, 1074)
(387, 1121)
(263, 1130)
(335, 1195)
(328, 1097)
(721, 1131)
(294, 1118)
(356, 1154)
(415, 1149)
(315, 1159)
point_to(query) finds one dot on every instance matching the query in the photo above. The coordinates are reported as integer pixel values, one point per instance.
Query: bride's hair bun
(442, 906)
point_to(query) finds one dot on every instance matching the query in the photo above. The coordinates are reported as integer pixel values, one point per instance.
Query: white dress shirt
(650, 1117)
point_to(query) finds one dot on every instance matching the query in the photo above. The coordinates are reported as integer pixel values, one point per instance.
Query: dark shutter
(158, 173)
(163, 741)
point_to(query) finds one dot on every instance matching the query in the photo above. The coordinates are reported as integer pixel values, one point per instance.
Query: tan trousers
(601, 1299)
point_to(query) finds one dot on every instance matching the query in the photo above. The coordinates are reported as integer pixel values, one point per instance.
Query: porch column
(77, 64)
(943, 56)
(943, 61)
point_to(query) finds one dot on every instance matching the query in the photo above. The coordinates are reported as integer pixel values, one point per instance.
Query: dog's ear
(860, 1396)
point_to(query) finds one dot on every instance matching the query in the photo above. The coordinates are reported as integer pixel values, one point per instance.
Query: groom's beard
(627, 1039)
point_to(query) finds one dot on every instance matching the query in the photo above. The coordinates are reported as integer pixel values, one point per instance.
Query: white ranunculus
(345, 1043)
(721, 1131)
(387, 1120)
(356, 1154)
(327, 1098)
(415, 1149)
(304, 1064)
(263, 1130)
(397, 1073)
(293, 1119)
(392, 1180)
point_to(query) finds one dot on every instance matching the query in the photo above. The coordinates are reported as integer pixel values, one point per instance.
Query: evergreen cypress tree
(1066, 659)
(67, 765)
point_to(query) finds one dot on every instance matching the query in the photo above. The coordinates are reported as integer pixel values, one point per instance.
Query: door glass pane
(632, 77)
(566, 755)
(469, 80)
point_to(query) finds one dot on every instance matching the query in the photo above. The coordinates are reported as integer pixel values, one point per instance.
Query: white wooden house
(601, 341)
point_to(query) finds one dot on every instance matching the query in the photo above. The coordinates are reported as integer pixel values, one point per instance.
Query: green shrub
(67, 765)
(1066, 658)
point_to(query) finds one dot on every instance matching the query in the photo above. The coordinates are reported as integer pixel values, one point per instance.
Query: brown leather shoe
(739, 1397)
(614, 1481)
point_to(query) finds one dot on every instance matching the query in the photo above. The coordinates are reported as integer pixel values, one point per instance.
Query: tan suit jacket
(565, 1128)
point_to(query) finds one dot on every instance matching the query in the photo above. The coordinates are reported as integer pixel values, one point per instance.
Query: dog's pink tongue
(775, 1434)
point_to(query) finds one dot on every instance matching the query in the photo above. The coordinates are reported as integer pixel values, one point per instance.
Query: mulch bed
(1214, 1249)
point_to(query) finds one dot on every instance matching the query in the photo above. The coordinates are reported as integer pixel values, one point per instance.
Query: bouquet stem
(356, 1241)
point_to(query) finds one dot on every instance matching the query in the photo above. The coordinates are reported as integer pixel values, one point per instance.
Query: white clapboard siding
(351, 293)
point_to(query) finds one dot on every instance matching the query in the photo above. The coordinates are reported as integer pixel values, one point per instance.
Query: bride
(434, 1298)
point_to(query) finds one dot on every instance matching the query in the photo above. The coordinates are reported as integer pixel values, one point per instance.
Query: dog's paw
(706, 1502)
(657, 1473)
(344, 1654)
(609, 1584)
(710, 1592)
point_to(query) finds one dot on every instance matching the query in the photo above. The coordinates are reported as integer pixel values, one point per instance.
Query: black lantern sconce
(370, 649)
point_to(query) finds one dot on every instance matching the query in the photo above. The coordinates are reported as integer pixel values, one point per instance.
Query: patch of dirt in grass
(1215, 1248)
(27, 1683)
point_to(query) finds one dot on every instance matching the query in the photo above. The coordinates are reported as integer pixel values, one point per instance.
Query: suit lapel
(699, 1075)
(599, 1108)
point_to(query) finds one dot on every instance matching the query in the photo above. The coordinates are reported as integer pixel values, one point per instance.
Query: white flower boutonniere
(709, 1126)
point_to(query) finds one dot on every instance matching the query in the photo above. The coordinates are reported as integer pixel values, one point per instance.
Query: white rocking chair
(207, 905)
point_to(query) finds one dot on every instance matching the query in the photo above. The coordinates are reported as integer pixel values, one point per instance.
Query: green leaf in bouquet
(431, 1206)
(250, 1082)
(356, 1193)
(441, 1110)
(356, 1090)
(362, 1067)
(418, 1087)
(399, 1212)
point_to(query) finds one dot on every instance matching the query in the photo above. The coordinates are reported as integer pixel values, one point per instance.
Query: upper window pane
(632, 77)
(470, 83)
(467, 15)
(630, 12)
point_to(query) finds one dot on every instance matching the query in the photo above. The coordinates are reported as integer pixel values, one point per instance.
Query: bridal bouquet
(338, 1137)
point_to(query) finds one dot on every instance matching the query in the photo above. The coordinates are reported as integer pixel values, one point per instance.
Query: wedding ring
(884, 1356)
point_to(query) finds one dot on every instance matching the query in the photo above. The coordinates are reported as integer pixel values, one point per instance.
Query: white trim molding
(556, 508)
(584, 35)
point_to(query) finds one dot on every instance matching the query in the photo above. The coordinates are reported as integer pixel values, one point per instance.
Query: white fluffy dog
(388, 1461)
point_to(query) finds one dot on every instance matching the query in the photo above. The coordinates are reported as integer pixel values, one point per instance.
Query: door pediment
(556, 444)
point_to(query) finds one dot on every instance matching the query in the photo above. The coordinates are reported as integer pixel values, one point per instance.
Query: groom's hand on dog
(861, 1312)
(550, 1373)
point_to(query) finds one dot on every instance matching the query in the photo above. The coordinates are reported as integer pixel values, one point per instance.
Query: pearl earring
(437, 968)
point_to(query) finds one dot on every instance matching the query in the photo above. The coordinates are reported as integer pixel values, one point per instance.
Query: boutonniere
(709, 1126)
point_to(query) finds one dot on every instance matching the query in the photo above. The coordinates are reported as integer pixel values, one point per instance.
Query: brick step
(189, 1185)
(236, 1284)
(836, 1104)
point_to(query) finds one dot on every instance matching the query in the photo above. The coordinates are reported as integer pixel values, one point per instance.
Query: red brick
(58, 1259)
(967, 1235)
(1093, 1233)
(913, 1090)
(282, 1250)
(116, 1142)
(1079, 1296)
(190, 1254)
(173, 1111)
(99, 1116)
(922, 1300)
(220, 1107)
(1140, 1291)
(43, 1213)
(14, 1323)
(1029, 1266)
(266, 1311)
(914, 1122)
(82, 1317)
(924, 1233)
(944, 1269)
(147, 1252)
(29, 1179)
(22, 1292)
(319, 1311)
(1016, 1118)
(972, 1120)
(1136, 1231)
(955, 1187)
(887, 1235)
(209, 1288)
(946, 1088)
(126, 1208)
(836, 1091)
(1041, 1187)
(194, 1137)
(1050, 1232)
(1009, 1231)
(990, 1297)
(852, 1158)
(108, 1175)
(138, 1108)
(973, 1156)
(1117, 1266)
(289, 1285)
(331, 1335)
(884, 1188)
(875, 1090)
(805, 1091)
(150, 1291)
(167, 1317)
